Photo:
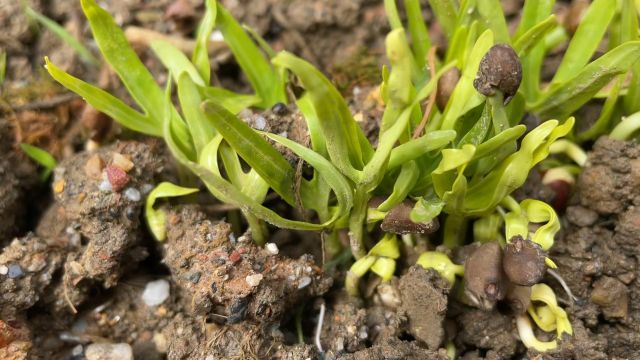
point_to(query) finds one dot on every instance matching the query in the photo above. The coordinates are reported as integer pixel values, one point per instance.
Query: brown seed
(484, 279)
(524, 261)
(518, 298)
(397, 221)
(500, 70)
(446, 84)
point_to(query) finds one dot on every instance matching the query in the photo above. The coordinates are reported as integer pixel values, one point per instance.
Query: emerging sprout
(442, 264)
(156, 219)
(381, 259)
(484, 280)
(500, 70)
(523, 261)
(548, 317)
(398, 221)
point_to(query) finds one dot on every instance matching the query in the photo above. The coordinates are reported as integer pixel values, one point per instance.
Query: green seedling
(156, 219)
(442, 264)
(42, 157)
(457, 162)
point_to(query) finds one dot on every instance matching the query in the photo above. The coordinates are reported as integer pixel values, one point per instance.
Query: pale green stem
(626, 127)
(356, 223)
(454, 231)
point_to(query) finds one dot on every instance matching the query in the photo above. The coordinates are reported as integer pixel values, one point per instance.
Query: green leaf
(405, 182)
(426, 209)
(201, 129)
(105, 102)
(603, 123)
(64, 35)
(229, 100)
(176, 61)
(627, 127)
(562, 100)
(262, 76)
(124, 61)
(442, 264)
(534, 36)
(540, 212)
(3, 65)
(384, 267)
(340, 130)
(479, 131)
(42, 157)
(491, 13)
(420, 42)
(446, 13)
(341, 187)
(483, 195)
(492, 145)
(533, 12)
(415, 148)
(200, 56)
(254, 149)
(156, 219)
(586, 40)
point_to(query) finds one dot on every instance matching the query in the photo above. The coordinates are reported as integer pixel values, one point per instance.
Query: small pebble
(260, 123)
(234, 256)
(132, 194)
(122, 162)
(272, 248)
(193, 276)
(284, 134)
(209, 357)
(120, 351)
(15, 271)
(117, 177)
(4, 270)
(77, 350)
(58, 186)
(146, 188)
(304, 282)
(254, 280)
(216, 35)
(155, 292)
(232, 238)
(105, 185)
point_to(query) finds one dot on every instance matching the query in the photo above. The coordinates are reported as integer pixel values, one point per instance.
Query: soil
(76, 258)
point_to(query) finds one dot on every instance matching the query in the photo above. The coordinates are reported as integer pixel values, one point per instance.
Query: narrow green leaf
(415, 148)
(262, 76)
(446, 13)
(201, 129)
(407, 178)
(420, 42)
(200, 56)
(533, 12)
(42, 157)
(124, 61)
(602, 124)
(391, 10)
(254, 149)
(586, 40)
(105, 102)
(560, 101)
(340, 130)
(3, 65)
(491, 12)
(175, 61)
(64, 35)
(534, 36)
(156, 219)
(229, 100)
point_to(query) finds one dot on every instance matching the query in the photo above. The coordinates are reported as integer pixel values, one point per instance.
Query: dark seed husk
(524, 261)
(446, 84)
(500, 70)
(518, 298)
(484, 279)
(397, 221)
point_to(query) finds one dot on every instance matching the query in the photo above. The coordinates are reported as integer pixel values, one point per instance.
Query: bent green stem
(498, 114)
(356, 223)
(626, 127)
(454, 230)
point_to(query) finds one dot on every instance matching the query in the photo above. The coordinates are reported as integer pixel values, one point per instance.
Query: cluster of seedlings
(455, 161)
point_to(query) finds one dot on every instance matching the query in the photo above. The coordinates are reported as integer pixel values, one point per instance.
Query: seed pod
(500, 70)
(397, 221)
(484, 280)
(446, 84)
(524, 261)
(518, 298)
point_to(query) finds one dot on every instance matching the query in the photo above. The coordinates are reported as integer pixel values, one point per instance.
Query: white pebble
(105, 185)
(304, 282)
(284, 134)
(120, 351)
(4, 270)
(146, 188)
(216, 35)
(254, 280)
(132, 194)
(260, 123)
(155, 292)
(77, 350)
(209, 357)
(272, 248)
